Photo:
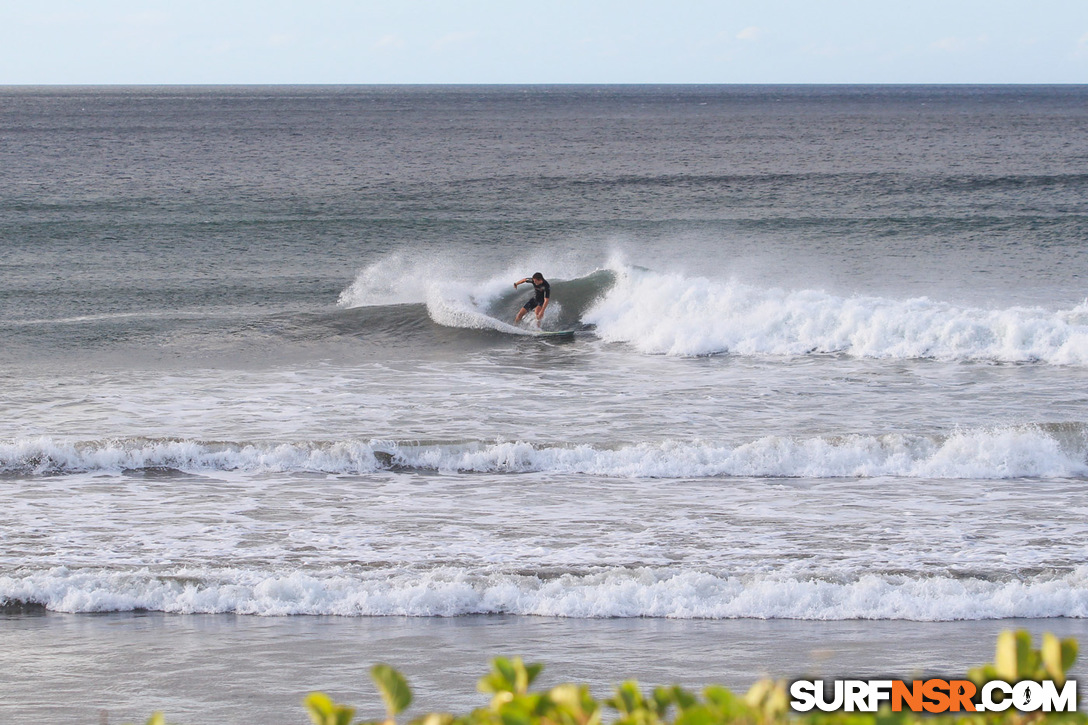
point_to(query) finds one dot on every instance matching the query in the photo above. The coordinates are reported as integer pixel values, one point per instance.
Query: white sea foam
(675, 314)
(618, 592)
(1008, 452)
(679, 315)
(450, 301)
(466, 311)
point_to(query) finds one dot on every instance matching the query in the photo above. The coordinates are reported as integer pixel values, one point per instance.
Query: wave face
(619, 592)
(488, 305)
(675, 314)
(1032, 451)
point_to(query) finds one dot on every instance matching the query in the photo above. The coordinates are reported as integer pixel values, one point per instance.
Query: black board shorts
(541, 292)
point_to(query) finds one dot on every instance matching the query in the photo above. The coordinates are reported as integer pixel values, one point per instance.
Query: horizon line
(543, 84)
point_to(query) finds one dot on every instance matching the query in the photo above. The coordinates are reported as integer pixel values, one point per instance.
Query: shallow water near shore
(204, 669)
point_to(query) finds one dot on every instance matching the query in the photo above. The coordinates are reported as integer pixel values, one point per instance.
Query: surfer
(542, 293)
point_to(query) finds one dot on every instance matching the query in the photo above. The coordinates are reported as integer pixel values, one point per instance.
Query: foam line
(1006, 452)
(616, 592)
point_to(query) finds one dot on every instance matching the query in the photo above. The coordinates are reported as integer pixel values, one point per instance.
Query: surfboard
(555, 333)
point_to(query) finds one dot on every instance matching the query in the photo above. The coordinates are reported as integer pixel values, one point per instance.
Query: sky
(538, 41)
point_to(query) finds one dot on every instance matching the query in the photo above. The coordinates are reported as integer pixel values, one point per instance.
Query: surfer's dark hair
(537, 275)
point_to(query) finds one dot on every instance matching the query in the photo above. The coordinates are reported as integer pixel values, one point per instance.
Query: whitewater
(687, 393)
(642, 592)
(677, 314)
(981, 454)
(266, 418)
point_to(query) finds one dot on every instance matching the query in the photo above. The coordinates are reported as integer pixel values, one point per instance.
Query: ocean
(266, 418)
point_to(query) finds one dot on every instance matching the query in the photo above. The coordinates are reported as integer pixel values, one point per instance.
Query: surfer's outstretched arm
(521, 281)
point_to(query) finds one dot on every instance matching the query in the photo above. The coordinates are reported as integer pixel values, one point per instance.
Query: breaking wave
(675, 314)
(487, 305)
(614, 592)
(678, 315)
(1046, 451)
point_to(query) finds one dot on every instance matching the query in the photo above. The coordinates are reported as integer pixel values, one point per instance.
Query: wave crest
(617, 592)
(677, 315)
(1009, 452)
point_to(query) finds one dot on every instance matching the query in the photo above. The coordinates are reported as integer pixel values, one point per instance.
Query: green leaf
(524, 709)
(323, 711)
(531, 672)
(720, 696)
(512, 676)
(393, 688)
(663, 698)
(696, 716)
(1069, 653)
(683, 698)
(628, 698)
(758, 692)
(506, 668)
(568, 696)
(502, 678)
(768, 697)
(515, 716)
(1027, 659)
(570, 704)
(435, 718)
(1052, 657)
(320, 707)
(1005, 660)
(673, 695)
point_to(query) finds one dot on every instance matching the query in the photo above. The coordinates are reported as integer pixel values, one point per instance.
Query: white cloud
(750, 33)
